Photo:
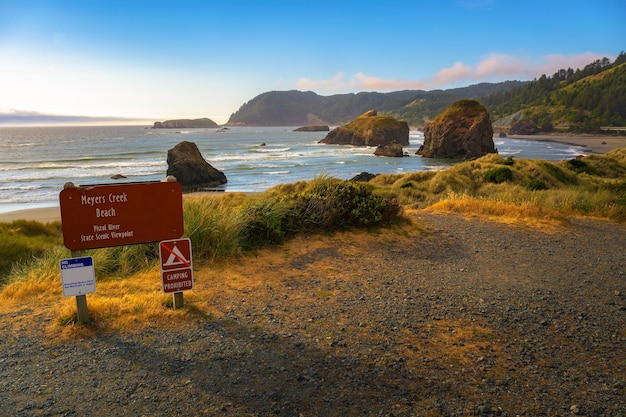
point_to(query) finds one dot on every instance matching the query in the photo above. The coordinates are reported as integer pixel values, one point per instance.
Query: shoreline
(596, 145)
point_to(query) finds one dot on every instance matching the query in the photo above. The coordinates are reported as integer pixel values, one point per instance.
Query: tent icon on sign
(176, 258)
(175, 254)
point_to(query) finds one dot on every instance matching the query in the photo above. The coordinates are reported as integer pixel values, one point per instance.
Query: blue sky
(157, 60)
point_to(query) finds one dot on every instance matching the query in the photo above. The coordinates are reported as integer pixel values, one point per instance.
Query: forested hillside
(581, 100)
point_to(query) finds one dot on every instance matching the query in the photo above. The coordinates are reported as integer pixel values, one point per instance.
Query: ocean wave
(269, 150)
(9, 187)
(509, 152)
(20, 145)
(276, 172)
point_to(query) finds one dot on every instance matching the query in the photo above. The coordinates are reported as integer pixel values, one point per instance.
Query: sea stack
(462, 131)
(369, 129)
(191, 170)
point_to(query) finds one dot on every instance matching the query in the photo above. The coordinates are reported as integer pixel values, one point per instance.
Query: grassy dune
(224, 228)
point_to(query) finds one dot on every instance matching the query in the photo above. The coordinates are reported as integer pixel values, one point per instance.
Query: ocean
(35, 162)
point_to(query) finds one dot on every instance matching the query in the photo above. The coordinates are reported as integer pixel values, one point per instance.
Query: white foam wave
(276, 172)
(9, 187)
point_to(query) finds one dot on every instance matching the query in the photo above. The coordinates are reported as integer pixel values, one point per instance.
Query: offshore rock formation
(314, 128)
(462, 131)
(185, 124)
(192, 171)
(393, 149)
(369, 129)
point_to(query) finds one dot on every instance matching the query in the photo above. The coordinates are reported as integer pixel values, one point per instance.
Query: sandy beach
(43, 215)
(596, 144)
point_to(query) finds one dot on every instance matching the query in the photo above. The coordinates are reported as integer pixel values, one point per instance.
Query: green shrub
(508, 161)
(498, 175)
(558, 174)
(330, 204)
(536, 185)
(579, 166)
(262, 222)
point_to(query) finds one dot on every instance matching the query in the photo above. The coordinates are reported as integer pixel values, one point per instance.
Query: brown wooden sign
(122, 214)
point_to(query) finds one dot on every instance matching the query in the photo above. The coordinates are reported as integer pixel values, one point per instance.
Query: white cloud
(333, 84)
(501, 65)
(366, 82)
(450, 75)
(494, 68)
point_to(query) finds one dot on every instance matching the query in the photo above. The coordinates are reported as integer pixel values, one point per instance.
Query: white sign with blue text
(78, 276)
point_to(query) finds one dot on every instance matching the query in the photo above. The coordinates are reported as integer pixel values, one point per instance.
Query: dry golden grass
(525, 214)
(130, 304)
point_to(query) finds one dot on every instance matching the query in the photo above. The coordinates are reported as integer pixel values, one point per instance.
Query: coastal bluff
(186, 124)
(369, 129)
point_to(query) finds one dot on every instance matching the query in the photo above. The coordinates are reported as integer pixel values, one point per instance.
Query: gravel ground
(465, 317)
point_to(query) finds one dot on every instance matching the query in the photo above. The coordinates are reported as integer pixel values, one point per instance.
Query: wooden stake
(81, 300)
(81, 307)
(178, 300)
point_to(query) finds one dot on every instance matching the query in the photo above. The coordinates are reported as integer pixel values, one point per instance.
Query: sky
(156, 60)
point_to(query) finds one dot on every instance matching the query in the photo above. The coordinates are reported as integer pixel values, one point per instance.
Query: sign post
(176, 268)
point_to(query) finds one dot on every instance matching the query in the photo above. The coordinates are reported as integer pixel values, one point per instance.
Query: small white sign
(78, 276)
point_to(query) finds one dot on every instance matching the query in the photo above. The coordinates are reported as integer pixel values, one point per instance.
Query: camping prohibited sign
(176, 267)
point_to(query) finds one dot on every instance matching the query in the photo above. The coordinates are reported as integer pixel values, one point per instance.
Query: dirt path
(450, 317)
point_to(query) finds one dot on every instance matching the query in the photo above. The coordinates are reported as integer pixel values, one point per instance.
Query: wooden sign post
(81, 300)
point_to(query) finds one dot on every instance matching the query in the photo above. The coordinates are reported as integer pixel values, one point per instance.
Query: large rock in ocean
(186, 124)
(313, 128)
(393, 149)
(369, 129)
(462, 131)
(191, 170)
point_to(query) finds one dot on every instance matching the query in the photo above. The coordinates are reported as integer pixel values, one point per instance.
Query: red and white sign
(176, 266)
